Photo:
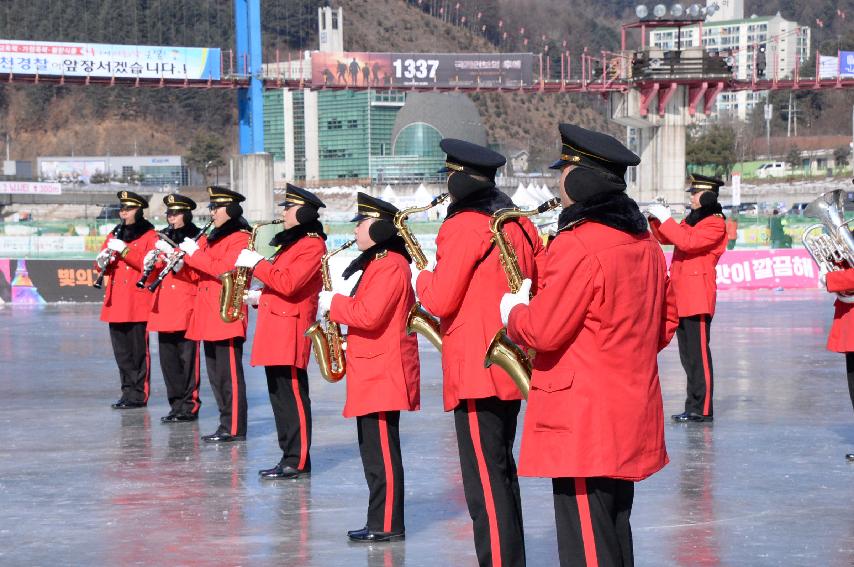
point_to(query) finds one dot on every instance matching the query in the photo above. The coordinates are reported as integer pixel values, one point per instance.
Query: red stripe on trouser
(483, 472)
(389, 472)
(303, 442)
(235, 406)
(586, 523)
(197, 372)
(146, 387)
(704, 349)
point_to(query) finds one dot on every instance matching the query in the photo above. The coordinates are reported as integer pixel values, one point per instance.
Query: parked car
(773, 169)
(109, 212)
(798, 208)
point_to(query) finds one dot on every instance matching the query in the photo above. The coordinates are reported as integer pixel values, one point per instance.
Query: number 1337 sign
(361, 69)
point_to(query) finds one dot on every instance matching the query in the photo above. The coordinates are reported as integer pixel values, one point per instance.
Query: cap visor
(443, 170)
(559, 164)
(358, 218)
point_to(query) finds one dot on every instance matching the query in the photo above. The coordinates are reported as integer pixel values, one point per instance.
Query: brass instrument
(409, 239)
(117, 232)
(832, 247)
(419, 320)
(235, 282)
(149, 266)
(507, 255)
(329, 344)
(174, 258)
(501, 350)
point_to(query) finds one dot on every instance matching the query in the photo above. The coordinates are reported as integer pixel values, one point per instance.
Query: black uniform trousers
(288, 389)
(223, 360)
(179, 362)
(486, 430)
(592, 519)
(379, 445)
(693, 334)
(849, 367)
(130, 347)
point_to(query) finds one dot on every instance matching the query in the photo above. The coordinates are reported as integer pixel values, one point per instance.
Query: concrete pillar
(290, 147)
(252, 176)
(312, 136)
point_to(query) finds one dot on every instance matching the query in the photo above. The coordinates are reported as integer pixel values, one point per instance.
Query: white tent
(523, 198)
(389, 195)
(422, 195)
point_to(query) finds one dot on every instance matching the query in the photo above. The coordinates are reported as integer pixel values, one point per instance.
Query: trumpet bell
(508, 356)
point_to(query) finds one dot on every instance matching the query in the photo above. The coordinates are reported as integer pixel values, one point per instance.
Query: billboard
(29, 188)
(361, 69)
(107, 61)
(846, 63)
(35, 282)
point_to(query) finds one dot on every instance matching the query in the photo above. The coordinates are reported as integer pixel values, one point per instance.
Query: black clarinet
(148, 268)
(173, 259)
(117, 232)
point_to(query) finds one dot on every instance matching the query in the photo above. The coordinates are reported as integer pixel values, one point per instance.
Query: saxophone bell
(236, 281)
(421, 322)
(510, 357)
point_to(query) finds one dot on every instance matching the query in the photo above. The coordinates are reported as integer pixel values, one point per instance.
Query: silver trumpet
(830, 242)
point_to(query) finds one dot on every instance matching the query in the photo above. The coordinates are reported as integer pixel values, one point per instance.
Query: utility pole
(769, 109)
(789, 118)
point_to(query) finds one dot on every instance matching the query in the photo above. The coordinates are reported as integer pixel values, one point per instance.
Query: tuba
(235, 282)
(501, 350)
(419, 320)
(329, 344)
(832, 245)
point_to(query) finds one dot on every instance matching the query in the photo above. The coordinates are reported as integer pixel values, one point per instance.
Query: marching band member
(841, 338)
(126, 307)
(698, 241)
(212, 255)
(594, 422)
(382, 362)
(170, 316)
(464, 291)
(286, 308)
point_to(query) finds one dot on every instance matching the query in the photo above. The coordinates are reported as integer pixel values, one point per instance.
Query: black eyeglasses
(214, 206)
(173, 213)
(128, 207)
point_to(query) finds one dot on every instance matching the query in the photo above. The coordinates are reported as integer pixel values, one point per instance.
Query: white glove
(324, 301)
(104, 257)
(659, 211)
(247, 259)
(252, 297)
(164, 246)
(149, 257)
(188, 246)
(117, 245)
(178, 265)
(822, 278)
(511, 300)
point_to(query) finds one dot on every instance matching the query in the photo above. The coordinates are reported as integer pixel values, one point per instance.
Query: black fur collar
(131, 232)
(697, 215)
(283, 239)
(394, 244)
(177, 235)
(616, 210)
(487, 202)
(231, 226)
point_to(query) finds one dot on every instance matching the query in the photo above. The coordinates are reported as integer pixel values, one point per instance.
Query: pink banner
(765, 269)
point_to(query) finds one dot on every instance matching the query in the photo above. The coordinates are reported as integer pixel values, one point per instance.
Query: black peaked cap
(131, 199)
(222, 196)
(470, 158)
(368, 207)
(298, 196)
(704, 183)
(178, 202)
(580, 146)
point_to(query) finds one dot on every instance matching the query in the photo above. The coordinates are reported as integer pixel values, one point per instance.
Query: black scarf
(616, 210)
(230, 226)
(131, 232)
(177, 235)
(394, 244)
(697, 215)
(285, 238)
(487, 202)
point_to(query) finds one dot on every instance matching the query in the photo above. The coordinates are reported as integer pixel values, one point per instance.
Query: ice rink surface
(82, 484)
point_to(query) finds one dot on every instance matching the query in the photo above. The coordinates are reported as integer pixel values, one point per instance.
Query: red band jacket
(464, 291)
(123, 301)
(210, 261)
(841, 337)
(288, 304)
(173, 299)
(383, 371)
(604, 311)
(697, 251)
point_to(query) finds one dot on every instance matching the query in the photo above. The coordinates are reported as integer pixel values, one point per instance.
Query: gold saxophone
(501, 350)
(329, 344)
(235, 282)
(419, 320)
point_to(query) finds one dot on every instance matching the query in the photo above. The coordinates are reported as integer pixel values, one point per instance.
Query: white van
(773, 169)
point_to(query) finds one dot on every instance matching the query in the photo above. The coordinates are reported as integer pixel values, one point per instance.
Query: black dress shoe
(171, 418)
(685, 417)
(222, 436)
(283, 472)
(124, 404)
(186, 417)
(850, 457)
(367, 536)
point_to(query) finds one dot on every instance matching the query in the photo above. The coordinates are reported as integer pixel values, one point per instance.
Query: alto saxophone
(235, 282)
(501, 350)
(329, 344)
(419, 320)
